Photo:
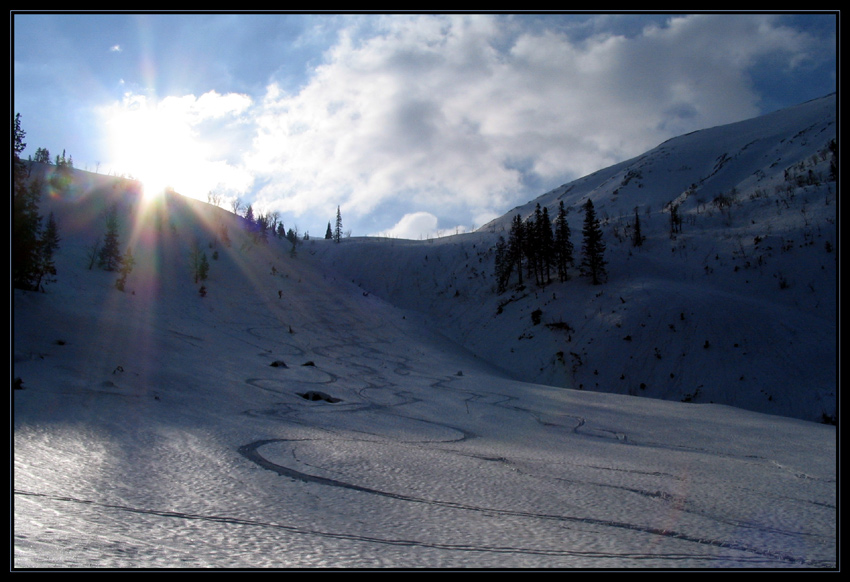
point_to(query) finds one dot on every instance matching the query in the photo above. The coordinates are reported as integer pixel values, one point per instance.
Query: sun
(180, 143)
(153, 145)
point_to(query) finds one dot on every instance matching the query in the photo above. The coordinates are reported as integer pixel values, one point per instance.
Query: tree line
(262, 225)
(33, 243)
(537, 247)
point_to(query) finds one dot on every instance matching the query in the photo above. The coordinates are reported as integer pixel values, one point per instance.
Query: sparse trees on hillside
(32, 251)
(536, 245)
(42, 156)
(63, 162)
(533, 245)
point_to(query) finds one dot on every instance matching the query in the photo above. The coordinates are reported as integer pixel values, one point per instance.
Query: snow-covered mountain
(737, 308)
(376, 403)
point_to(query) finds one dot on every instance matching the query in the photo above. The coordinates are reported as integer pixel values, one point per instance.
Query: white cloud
(211, 105)
(427, 114)
(417, 225)
(420, 226)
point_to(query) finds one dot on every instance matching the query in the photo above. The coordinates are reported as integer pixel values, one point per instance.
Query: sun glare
(151, 145)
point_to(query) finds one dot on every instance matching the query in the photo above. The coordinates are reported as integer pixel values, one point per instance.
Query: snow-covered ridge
(738, 308)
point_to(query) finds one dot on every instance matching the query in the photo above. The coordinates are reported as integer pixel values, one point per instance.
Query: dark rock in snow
(315, 395)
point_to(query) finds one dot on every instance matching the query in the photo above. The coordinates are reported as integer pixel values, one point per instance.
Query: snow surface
(153, 431)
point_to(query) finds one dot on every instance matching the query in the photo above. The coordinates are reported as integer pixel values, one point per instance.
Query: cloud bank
(462, 116)
(443, 122)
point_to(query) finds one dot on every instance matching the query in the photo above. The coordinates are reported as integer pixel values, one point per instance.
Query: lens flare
(150, 144)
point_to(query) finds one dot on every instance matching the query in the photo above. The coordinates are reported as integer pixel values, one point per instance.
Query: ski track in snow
(401, 367)
(381, 383)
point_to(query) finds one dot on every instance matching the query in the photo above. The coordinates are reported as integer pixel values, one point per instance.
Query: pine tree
(203, 268)
(127, 263)
(593, 247)
(516, 245)
(249, 218)
(51, 234)
(329, 234)
(26, 238)
(546, 244)
(198, 261)
(92, 253)
(45, 270)
(563, 244)
(676, 219)
(110, 255)
(503, 265)
(637, 236)
(27, 249)
(19, 144)
(62, 161)
(338, 228)
(42, 155)
(261, 230)
(532, 245)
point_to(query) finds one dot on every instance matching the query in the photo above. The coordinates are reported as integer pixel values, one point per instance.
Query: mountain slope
(738, 308)
(292, 418)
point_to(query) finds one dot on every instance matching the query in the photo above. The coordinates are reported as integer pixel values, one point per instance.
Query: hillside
(738, 308)
(369, 405)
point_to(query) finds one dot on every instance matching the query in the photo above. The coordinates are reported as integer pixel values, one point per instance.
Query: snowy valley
(378, 404)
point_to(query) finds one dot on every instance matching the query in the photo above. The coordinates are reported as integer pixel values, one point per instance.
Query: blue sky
(415, 125)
